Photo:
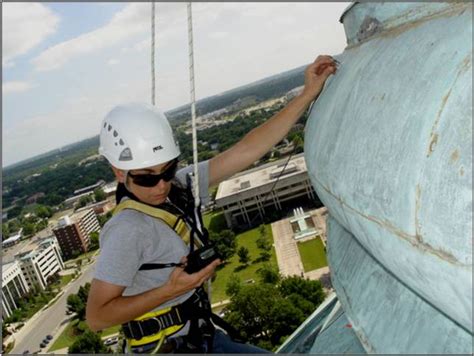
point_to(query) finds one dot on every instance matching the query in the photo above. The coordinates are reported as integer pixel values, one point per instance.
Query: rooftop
(261, 176)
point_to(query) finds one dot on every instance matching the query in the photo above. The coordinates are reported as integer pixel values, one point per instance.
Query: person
(138, 142)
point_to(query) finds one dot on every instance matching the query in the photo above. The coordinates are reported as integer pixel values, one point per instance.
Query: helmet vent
(126, 155)
(109, 128)
(121, 142)
(115, 133)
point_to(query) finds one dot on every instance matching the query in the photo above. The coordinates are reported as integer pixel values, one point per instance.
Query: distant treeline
(262, 90)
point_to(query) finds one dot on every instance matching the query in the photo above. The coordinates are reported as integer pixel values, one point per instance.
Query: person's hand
(316, 74)
(181, 282)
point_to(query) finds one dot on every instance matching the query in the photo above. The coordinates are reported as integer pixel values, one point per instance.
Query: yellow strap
(170, 219)
(159, 336)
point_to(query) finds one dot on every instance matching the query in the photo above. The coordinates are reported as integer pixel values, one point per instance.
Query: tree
(269, 274)
(225, 243)
(94, 239)
(77, 302)
(310, 290)
(43, 211)
(83, 201)
(104, 218)
(5, 231)
(29, 228)
(267, 313)
(88, 343)
(99, 195)
(234, 285)
(243, 254)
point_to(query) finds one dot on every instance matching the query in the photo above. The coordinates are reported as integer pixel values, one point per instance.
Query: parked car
(111, 341)
(49, 337)
(45, 341)
(26, 352)
(42, 345)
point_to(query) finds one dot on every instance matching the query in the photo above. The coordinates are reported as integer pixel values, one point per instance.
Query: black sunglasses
(150, 180)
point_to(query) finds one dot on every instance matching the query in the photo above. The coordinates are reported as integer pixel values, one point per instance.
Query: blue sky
(65, 65)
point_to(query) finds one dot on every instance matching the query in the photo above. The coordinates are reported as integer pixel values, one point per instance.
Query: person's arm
(107, 307)
(261, 139)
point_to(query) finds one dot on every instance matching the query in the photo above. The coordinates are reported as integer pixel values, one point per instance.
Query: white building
(87, 220)
(41, 262)
(14, 287)
(12, 240)
(248, 196)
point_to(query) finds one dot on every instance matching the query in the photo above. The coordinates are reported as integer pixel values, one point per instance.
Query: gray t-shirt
(131, 238)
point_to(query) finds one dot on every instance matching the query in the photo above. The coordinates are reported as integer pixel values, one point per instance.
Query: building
(99, 208)
(14, 287)
(73, 233)
(110, 189)
(247, 197)
(41, 262)
(89, 188)
(12, 240)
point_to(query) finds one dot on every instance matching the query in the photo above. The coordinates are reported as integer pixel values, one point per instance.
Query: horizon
(32, 158)
(70, 70)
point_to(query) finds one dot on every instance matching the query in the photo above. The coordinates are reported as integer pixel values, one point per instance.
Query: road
(49, 321)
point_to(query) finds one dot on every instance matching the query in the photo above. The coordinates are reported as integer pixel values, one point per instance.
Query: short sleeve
(120, 254)
(203, 168)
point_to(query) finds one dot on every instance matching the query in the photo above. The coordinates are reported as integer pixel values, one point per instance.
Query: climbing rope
(193, 104)
(153, 53)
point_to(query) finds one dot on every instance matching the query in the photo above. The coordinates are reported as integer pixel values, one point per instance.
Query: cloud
(16, 87)
(132, 20)
(218, 34)
(28, 25)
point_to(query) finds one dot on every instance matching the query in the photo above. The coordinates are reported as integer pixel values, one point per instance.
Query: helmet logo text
(157, 148)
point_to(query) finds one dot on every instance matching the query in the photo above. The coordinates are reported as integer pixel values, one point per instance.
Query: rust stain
(383, 96)
(434, 136)
(454, 156)
(417, 210)
(465, 64)
(415, 240)
(461, 171)
(433, 142)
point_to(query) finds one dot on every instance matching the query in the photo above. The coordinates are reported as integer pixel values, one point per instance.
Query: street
(50, 320)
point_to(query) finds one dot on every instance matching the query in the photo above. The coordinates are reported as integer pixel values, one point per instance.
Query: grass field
(246, 239)
(68, 336)
(312, 254)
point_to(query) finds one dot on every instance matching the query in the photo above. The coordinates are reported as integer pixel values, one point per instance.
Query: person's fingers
(326, 67)
(321, 58)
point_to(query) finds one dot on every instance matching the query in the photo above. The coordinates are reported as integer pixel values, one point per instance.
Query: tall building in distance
(73, 232)
(14, 287)
(41, 262)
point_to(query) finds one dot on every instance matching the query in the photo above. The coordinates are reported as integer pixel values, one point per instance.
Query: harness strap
(175, 222)
(195, 307)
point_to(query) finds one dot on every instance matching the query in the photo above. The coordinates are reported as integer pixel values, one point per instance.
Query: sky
(65, 65)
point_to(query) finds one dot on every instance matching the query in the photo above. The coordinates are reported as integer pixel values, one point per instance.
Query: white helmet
(135, 136)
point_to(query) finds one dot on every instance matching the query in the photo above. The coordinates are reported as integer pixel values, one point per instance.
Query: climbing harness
(149, 332)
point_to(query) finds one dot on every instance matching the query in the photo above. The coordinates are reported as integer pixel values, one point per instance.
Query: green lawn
(312, 254)
(246, 239)
(214, 221)
(65, 280)
(68, 336)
